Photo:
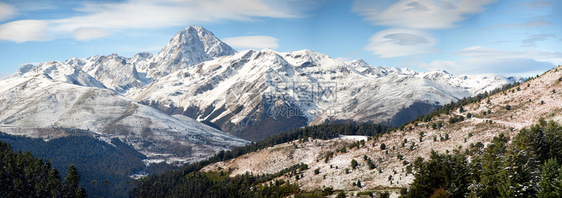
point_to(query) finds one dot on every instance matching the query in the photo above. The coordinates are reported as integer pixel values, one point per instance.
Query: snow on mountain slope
(30, 105)
(476, 84)
(115, 72)
(60, 72)
(188, 47)
(142, 62)
(253, 94)
(531, 101)
(255, 91)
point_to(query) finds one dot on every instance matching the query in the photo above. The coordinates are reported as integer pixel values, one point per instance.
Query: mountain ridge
(189, 47)
(467, 127)
(485, 134)
(157, 104)
(256, 93)
(204, 91)
(34, 105)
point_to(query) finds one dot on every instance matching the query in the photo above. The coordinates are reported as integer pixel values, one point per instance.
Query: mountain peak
(190, 46)
(196, 36)
(359, 62)
(195, 28)
(184, 35)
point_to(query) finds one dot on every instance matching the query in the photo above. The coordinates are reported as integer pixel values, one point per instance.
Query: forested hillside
(526, 167)
(104, 167)
(23, 175)
(502, 143)
(183, 181)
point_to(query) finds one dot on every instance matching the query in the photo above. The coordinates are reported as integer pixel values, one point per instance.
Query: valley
(280, 99)
(199, 98)
(329, 161)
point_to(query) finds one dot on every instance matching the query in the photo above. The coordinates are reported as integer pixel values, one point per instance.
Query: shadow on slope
(104, 168)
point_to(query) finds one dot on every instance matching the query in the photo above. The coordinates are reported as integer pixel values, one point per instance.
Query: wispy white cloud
(531, 40)
(24, 30)
(252, 42)
(401, 42)
(506, 66)
(41, 5)
(156, 14)
(528, 24)
(84, 34)
(144, 14)
(480, 51)
(409, 21)
(478, 59)
(537, 4)
(418, 14)
(6, 11)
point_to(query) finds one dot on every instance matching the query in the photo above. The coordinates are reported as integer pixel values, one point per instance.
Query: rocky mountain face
(190, 46)
(506, 112)
(254, 94)
(36, 106)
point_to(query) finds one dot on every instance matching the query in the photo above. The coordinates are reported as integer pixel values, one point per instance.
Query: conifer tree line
(161, 185)
(529, 166)
(23, 175)
(164, 182)
(325, 132)
(447, 108)
(104, 168)
(220, 184)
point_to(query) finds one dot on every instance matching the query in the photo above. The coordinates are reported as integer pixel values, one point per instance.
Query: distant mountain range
(157, 103)
(515, 128)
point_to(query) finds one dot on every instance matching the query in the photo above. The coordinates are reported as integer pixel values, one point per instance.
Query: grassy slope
(523, 114)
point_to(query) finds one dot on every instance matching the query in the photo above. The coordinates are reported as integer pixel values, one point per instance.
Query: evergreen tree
(23, 175)
(492, 163)
(519, 177)
(440, 193)
(441, 171)
(341, 195)
(72, 178)
(354, 164)
(81, 193)
(550, 180)
(54, 182)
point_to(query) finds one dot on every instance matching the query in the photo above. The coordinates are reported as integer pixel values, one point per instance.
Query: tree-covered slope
(104, 166)
(172, 183)
(468, 130)
(23, 175)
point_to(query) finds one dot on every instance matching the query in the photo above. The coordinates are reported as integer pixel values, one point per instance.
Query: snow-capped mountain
(190, 46)
(31, 105)
(115, 72)
(253, 94)
(59, 72)
(87, 94)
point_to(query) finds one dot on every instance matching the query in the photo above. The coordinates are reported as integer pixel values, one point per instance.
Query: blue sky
(508, 37)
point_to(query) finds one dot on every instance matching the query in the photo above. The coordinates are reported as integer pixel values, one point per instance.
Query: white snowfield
(31, 104)
(320, 87)
(198, 75)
